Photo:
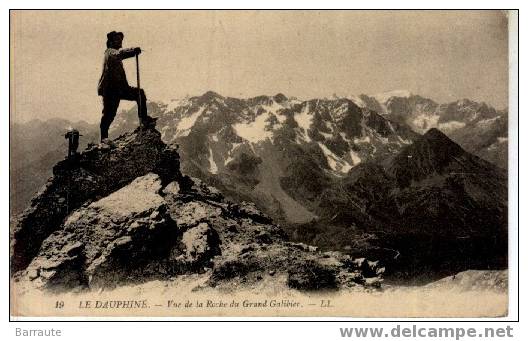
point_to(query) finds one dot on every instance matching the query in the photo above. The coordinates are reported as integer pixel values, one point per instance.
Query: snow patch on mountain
(164, 131)
(304, 118)
(173, 104)
(424, 122)
(187, 122)
(402, 140)
(391, 127)
(357, 101)
(255, 131)
(326, 135)
(339, 113)
(213, 168)
(263, 125)
(301, 136)
(497, 144)
(451, 126)
(335, 162)
(230, 153)
(487, 122)
(355, 158)
(363, 139)
(385, 96)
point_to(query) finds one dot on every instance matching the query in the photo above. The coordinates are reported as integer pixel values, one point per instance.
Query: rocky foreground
(123, 214)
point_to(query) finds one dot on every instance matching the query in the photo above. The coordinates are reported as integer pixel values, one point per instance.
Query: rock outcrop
(94, 174)
(133, 217)
(116, 239)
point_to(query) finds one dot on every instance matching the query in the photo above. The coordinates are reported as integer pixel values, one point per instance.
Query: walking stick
(138, 85)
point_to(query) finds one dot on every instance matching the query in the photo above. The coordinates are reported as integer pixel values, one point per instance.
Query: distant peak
(439, 139)
(279, 98)
(385, 96)
(434, 132)
(438, 142)
(433, 153)
(211, 95)
(465, 101)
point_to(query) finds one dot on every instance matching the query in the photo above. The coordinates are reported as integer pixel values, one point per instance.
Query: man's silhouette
(113, 85)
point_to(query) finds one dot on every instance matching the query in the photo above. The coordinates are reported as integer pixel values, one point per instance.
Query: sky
(56, 56)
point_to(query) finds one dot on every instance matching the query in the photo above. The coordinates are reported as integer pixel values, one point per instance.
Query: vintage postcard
(260, 163)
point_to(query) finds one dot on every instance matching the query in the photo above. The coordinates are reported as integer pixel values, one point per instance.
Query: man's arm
(124, 53)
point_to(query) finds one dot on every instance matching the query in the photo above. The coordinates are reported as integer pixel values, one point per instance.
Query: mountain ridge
(123, 213)
(337, 175)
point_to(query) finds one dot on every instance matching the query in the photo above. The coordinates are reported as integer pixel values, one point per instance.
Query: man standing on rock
(113, 85)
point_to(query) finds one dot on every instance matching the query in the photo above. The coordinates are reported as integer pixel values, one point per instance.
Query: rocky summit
(123, 213)
(97, 172)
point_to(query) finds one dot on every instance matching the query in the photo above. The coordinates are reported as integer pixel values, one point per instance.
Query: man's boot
(104, 134)
(107, 142)
(147, 121)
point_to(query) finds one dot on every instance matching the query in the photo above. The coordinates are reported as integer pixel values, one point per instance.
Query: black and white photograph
(261, 163)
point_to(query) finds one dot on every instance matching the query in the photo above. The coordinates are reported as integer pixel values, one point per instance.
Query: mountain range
(478, 127)
(381, 174)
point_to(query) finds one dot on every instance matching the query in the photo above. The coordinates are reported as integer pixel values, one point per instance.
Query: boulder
(201, 243)
(124, 237)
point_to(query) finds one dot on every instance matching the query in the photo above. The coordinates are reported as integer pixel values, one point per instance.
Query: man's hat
(111, 35)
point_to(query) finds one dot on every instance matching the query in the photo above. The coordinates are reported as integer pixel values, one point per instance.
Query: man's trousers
(111, 103)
